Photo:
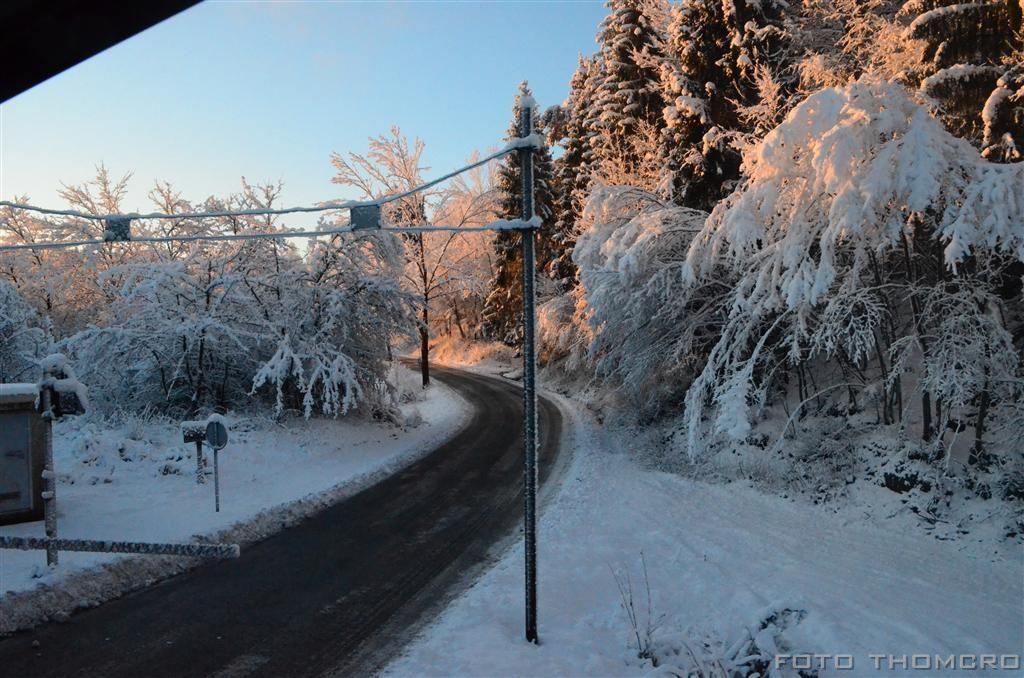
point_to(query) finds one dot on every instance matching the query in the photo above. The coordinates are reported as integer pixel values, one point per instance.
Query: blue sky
(269, 89)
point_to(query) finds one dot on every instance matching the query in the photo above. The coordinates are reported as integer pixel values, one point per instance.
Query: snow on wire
(112, 234)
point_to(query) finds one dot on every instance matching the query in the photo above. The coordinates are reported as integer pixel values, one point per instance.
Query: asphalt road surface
(335, 595)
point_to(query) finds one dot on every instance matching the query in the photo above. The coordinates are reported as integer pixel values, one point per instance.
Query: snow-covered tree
(181, 324)
(24, 337)
(448, 273)
(64, 285)
(1003, 118)
(340, 309)
(571, 126)
(503, 310)
(392, 166)
(627, 91)
(104, 194)
(643, 336)
(862, 215)
(193, 325)
(725, 70)
(43, 278)
(463, 281)
(971, 67)
(845, 39)
(172, 333)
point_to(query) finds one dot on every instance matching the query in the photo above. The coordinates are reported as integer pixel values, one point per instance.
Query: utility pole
(528, 233)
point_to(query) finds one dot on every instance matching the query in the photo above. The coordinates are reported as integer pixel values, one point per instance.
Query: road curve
(336, 594)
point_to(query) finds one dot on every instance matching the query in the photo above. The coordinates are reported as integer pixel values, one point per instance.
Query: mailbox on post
(214, 433)
(21, 455)
(195, 432)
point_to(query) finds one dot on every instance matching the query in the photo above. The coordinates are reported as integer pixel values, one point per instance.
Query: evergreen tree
(628, 88)
(724, 58)
(503, 310)
(1003, 118)
(972, 69)
(570, 127)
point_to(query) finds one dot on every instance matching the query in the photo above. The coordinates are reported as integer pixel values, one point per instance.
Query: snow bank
(717, 559)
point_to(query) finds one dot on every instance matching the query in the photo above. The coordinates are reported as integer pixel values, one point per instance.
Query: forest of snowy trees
(184, 326)
(752, 209)
(804, 207)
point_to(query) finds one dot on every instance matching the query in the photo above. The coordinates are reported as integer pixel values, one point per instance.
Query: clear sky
(269, 89)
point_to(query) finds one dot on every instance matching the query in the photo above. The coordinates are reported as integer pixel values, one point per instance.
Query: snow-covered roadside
(139, 485)
(717, 557)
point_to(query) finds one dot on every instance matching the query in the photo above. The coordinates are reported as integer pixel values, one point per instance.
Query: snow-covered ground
(732, 572)
(137, 482)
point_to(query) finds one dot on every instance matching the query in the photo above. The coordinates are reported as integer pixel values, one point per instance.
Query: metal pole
(50, 478)
(97, 546)
(216, 480)
(529, 370)
(200, 476)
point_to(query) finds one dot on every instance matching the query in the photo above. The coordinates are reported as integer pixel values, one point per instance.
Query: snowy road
(337, 593)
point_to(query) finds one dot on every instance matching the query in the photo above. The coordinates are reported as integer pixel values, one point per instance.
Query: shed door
(15, 463)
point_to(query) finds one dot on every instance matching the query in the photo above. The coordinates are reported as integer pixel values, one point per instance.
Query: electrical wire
(515, 146)
(323, 207)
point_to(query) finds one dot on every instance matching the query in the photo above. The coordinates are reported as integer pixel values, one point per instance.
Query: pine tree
(503, 309)
(724, 57)
(628, 88)
(972, 69)
(573, 170)
(1003, 118)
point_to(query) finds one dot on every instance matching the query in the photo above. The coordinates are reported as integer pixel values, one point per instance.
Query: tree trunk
(979, 425)
(425, 350)
(1016, 12)
(912, 273)
(458, 318)
(886, 399)
(926, 411)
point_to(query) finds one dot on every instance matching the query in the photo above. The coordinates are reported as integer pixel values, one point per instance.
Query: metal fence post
(50, 492)
(529, 369)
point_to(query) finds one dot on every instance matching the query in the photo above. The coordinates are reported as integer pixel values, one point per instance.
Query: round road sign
(216, 435)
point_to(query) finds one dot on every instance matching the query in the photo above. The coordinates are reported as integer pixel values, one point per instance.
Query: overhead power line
(117, 225)
(500, 225)
(531, 141)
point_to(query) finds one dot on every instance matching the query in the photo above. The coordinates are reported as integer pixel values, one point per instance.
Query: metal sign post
(217, 438)
(529, 369)
(216, 480)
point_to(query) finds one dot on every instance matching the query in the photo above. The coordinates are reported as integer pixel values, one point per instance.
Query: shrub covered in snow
(637, 328)
(871, 240)
(342, 306)
(24, 337)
